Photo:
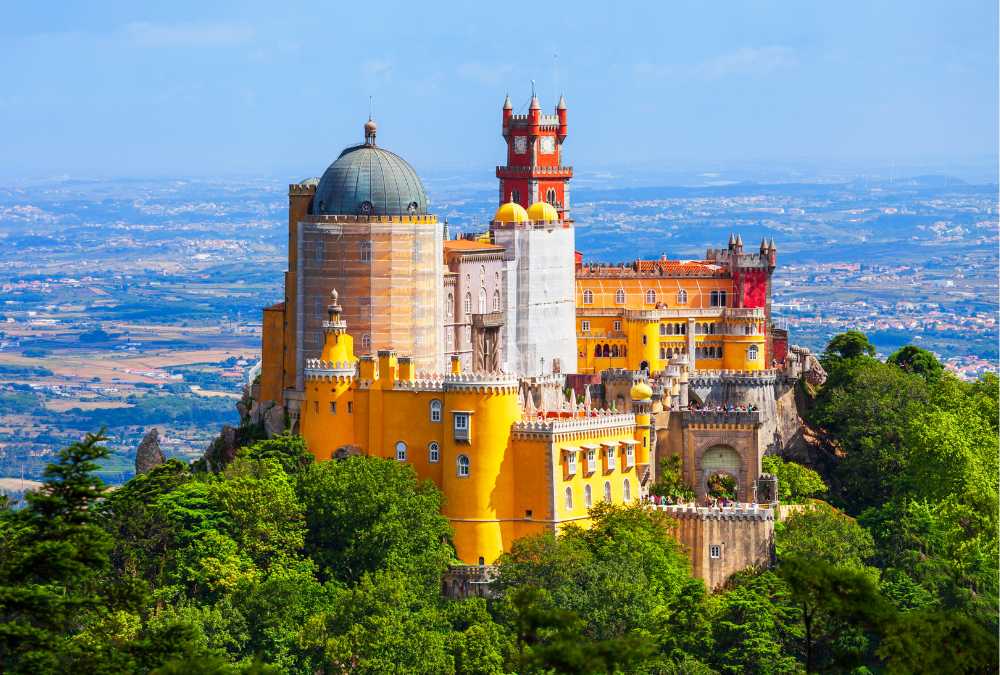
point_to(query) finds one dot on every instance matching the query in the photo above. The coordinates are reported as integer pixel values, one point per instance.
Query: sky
(264, 88)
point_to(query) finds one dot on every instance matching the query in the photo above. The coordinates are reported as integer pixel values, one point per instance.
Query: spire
(763, 244)
(771, 245)
(562, 103)
(732, 240)
(506, 103)
(739, 240)
(535, 105)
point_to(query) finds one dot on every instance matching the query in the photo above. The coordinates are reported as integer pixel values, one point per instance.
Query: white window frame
(433, 452)
(630, 456)
(609, 452)
(463, 469)
(462, 426)
(585, 326)
(588, 496)
(715, 551)
(626, 491)
(588, 297)
(591, 461)
(436, 408)
(650, 297)
(682, 297)
(617, 325)
(753, 353)
(365, 251)
(571, 462)
(568, 498)
(400, 451)
(607, 491)
(620, 296)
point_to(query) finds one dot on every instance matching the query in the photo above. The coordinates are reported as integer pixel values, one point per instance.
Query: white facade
(539, 332)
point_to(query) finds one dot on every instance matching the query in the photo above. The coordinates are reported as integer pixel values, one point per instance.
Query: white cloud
(485, 74)
(145, 34)
(746, 61)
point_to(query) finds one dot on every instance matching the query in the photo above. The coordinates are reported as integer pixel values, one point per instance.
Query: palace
(526, 383)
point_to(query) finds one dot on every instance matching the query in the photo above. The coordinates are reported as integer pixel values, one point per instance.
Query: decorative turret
(508, 112)
(561, 114)
(370, 129)
(738, 248)
(338, 345)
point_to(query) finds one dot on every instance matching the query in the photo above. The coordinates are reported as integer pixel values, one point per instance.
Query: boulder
(149, 455)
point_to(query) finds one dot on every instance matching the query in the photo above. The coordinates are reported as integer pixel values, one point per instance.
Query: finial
(507, 105)
(532, 89)
(562, 103)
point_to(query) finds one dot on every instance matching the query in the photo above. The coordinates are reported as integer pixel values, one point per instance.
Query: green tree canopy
(918, 361)
(796, 483)
(365, 514)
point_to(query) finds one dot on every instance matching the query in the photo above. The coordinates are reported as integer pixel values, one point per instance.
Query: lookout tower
(534, 171)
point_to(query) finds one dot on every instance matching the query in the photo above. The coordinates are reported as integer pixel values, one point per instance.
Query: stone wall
(743, 537)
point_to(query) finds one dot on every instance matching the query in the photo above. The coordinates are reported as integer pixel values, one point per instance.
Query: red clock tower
(534, 171)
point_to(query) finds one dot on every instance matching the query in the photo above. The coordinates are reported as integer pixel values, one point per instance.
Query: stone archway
(718, 462)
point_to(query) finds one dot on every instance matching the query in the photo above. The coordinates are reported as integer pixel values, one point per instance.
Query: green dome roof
(367, 180)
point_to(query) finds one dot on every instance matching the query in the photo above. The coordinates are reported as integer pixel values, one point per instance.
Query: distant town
(136, 304)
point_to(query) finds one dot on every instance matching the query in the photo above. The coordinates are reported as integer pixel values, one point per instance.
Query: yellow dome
(511, 212)
(543, 212)
(641, 392)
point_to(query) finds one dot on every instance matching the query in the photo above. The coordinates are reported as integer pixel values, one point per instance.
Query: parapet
(599, 420)
(319, 369)
(747, 512)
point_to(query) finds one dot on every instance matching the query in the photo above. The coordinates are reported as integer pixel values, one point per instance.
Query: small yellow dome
(511, 212)
(543, 212)
(641, 392)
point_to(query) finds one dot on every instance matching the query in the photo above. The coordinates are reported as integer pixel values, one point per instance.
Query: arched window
(463, 466)
(606, 351)
(614, 351)
(482, 275)
(651, 297)
(436, 410)
(482, 301)
(752, 352)
(366, 342)
(496, 301)
(627, 491)
(588, 499)
(515, 196)
(620, 296)
(449, 307)
(607, 491)
(434, 453)
(550, 196)
(401, 451)
(597, 350)
(365, 251)
(569, 499)
(468, 303)
(682, 297)
(588, 297)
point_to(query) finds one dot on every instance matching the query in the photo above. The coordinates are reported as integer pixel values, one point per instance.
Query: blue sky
(128, 88)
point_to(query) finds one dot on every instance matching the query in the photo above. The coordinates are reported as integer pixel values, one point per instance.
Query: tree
(755, 625)
(841, 609)
(625, 576)
(864, 407)
(670, 480)
(365, 514)
(289, 451)
(821, 533)
(913, 359)
(58, 555)
(849, 345)
(796, 483)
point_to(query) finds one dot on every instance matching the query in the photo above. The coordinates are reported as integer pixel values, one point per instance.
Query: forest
(276, 564)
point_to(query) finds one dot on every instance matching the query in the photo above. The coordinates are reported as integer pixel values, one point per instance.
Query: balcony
(488, 320)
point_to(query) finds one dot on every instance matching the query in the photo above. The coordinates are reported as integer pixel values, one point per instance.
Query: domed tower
(364, 228)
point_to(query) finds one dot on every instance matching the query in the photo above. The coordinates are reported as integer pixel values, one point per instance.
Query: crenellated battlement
(749, 512)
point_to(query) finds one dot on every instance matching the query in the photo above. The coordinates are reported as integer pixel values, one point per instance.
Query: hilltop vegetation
(277, 564)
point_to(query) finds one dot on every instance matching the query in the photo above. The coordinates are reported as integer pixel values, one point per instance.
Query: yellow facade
(640, 323)
(502, 469)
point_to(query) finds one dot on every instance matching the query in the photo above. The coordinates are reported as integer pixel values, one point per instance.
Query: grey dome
(367, 180)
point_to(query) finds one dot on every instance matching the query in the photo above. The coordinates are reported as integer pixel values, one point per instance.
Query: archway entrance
(722, 472)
